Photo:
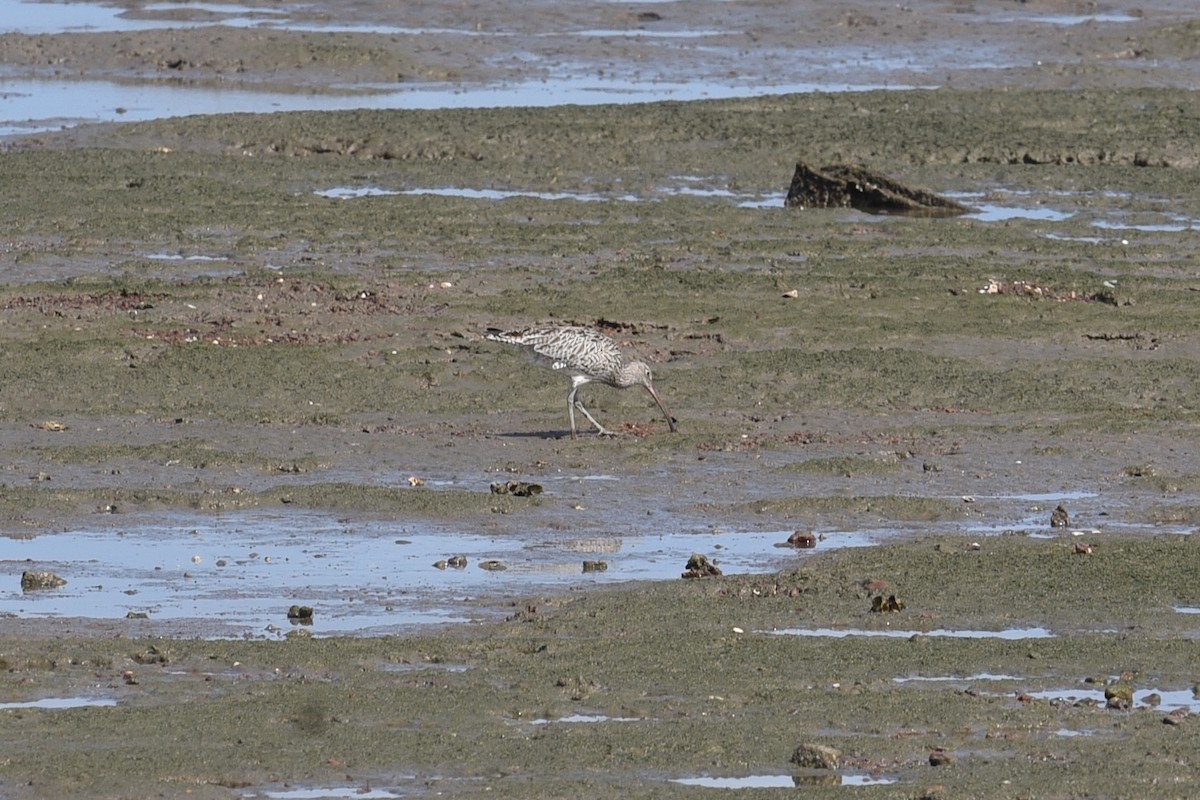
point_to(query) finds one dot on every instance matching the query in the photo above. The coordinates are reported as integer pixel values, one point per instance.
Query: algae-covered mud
(245, 376)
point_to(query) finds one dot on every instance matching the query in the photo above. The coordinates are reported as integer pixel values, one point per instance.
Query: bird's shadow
(537, 435)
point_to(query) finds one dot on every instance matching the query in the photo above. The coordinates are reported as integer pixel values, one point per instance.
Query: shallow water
(1169, 700)
(61, 702)
(242, 572)
(839, 633)
(780, 781)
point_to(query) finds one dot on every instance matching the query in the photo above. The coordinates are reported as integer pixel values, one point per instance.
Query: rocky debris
(456, 562)
(698, 566)
(1039, 292)
(517, 488)
(855, 186)
(36, 581)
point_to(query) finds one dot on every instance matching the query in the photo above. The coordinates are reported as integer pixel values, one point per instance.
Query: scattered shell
(791, 293)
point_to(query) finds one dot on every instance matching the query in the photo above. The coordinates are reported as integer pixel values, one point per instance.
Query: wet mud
(217, 317)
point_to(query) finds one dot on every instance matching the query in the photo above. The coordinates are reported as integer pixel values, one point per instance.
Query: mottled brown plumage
(589, 357)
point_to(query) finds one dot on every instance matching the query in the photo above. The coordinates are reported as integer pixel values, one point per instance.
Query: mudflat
(221, 314)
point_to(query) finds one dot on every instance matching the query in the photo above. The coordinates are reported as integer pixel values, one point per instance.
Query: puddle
(321, 793)
(839, 633)
(584, 718)
(31, 105)
(742, 199)
(1187, 610)
(988, 212)
(62, 702)
(787, 781)
(979, 676)
(345, 193)
(1104, 17)
(240, 572)
(1168, 700)
(1176, 225)
(182, 257)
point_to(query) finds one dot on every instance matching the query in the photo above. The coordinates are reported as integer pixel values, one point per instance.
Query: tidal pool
(242, 572)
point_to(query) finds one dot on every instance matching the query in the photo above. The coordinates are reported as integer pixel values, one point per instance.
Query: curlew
(588, 356)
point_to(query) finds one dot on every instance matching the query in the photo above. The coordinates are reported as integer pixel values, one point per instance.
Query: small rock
(300, 615)
(137, 615)
(698, 566)
(890, 604)
(493, 565)
(595, 566)
(1118, 696)
(35, 581)
(1175, 717)
(941, 758)
(802, 539)
(816, 756)
(458, 562)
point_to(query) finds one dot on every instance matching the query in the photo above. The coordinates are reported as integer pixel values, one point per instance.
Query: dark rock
(802, 540)
(855, 186)
(517, 488)
(300, 615)
(941, 758)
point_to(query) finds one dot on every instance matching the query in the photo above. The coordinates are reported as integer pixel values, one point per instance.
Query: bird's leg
(571, 401)
(603, 430)
(574, 402)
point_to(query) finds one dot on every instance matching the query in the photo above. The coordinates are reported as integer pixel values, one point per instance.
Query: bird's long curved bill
(667, 414)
